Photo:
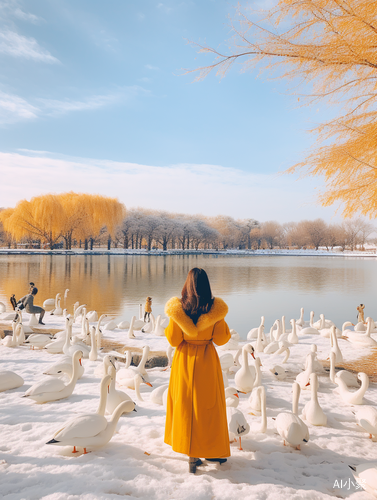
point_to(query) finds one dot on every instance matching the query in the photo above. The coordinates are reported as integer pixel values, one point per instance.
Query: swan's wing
(58, 369)
(237, 422)
(82, 426)
(46, 385)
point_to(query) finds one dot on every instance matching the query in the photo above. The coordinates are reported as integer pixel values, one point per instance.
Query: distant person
(31, 286)
(148, 309)
(13, 301)
(28, 303)
(196, 422)
(360, 316)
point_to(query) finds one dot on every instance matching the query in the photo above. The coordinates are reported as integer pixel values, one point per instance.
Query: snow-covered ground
(138, 465)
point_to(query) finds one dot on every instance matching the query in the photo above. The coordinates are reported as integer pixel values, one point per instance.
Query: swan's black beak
(305, 440)
(134, 409)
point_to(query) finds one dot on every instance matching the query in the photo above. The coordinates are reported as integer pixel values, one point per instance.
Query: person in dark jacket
(28, 302)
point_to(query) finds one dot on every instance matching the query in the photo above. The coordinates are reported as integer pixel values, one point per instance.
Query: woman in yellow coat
(196, 422)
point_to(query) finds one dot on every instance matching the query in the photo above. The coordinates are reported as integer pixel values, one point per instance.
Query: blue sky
(102, 85)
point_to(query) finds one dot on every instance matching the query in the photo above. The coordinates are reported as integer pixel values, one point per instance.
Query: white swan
(348, 378)
(317, 366)
(93, 354)
(366, 476)
(309, 330)
(157, 395)
(362, 339)
(92, 316)
(335, 347)
(292, 337)
(303, 378)
(53, 389)
(79, 311)
(261, 342)
(64, 367)
(56, 346)
(290, 426)
(10, 380)
(237, 423)
(134, 384)
(159, 329)
(130, 371)
(11, 340)
(149, 327)
(91, 430)
(99, 331)
(108, 360)
(255, 401)
(253, 332)
(366, 417)
(38, 340)
(226, 362)
(356, 397)
(245, 377)
(323, 323)
(114, 397)
(111, 325)
(312, 411)
(300, 321)
(52, 302)
(326, 327)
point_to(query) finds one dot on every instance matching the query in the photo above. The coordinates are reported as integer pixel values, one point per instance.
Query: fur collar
(174, 310)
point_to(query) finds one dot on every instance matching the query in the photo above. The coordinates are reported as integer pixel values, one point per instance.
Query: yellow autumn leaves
(68, 215)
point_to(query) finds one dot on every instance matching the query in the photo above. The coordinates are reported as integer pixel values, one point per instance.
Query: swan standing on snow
(91, 430)
(356, 397)
(312, 411)
(245, 377)
(317, 366)
(310, 330)
(292, 337)
(53, 389)
(303, 378)
(300, 321)
(15, 339)
(237, 423)
(56, 346)
(290, 426)
(335, 347)
(134, 383)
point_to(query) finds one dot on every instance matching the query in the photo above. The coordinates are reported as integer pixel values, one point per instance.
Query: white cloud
(26, 16)
(13, 44)
(206, 189)
(152, 68)
(13, 109)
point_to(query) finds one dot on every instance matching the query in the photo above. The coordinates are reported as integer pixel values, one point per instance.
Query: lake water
(251, 286)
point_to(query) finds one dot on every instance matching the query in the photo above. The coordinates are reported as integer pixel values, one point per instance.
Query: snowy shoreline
(136, 463)
(115, 251)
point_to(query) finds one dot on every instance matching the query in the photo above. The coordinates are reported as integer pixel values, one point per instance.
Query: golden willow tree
(68, 215)
(330, 45)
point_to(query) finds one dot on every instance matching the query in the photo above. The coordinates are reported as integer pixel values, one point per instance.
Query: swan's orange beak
(108, 389)
(148, 383)
(252, 354)
(237, 396)
(80, 361)
(307, 384)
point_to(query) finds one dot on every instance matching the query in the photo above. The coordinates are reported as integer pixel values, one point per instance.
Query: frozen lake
(252, 286)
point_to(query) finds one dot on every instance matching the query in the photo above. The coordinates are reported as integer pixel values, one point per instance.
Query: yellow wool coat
(196, 422)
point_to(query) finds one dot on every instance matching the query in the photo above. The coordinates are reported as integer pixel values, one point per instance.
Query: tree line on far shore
(72, 220)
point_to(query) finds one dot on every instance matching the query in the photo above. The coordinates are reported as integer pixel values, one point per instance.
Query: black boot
(194, 462)
(220, 460)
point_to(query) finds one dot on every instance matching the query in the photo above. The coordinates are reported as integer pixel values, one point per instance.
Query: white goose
(356, 397)
(237, 423)
(91, 430)
(290, 426)
(245, 377)
(367, 419)
(261, 342)
(10, 380)
(253, 332)
(362, 339)
(348, 378)
(53, 389)
(114, 397)
(292, 337)
(312, 411)
(130, 371)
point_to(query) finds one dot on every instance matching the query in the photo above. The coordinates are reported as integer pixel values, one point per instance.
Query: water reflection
(252, 286)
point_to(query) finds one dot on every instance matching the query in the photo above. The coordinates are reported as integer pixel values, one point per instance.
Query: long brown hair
(196, 294)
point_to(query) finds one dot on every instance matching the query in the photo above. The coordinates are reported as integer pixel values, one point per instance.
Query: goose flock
(254, 371)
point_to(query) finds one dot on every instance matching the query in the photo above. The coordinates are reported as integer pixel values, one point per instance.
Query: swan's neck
(332, 367)
(158, 321)
(283, 325)
(294, 327)
(309, 369)
(237, 358)
(263, 409)
(302, 314)
(311, 321)
(245, 363)
(103, 398)
(287, 354)
(68, 330)
(314, 393)
(369, 328)
(143, 359)
(131, 329)
(258, 374)
(137, 388)
(322, 324)
(75, 373)
(93, 350)
(262, 321)
(56, 300)
(295, 398)
(128, 359)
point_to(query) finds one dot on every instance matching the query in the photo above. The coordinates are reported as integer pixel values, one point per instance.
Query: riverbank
(120, 251)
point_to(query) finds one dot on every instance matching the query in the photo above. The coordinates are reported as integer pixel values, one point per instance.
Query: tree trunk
(109, 243)
(91, 243)
(85, 244)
